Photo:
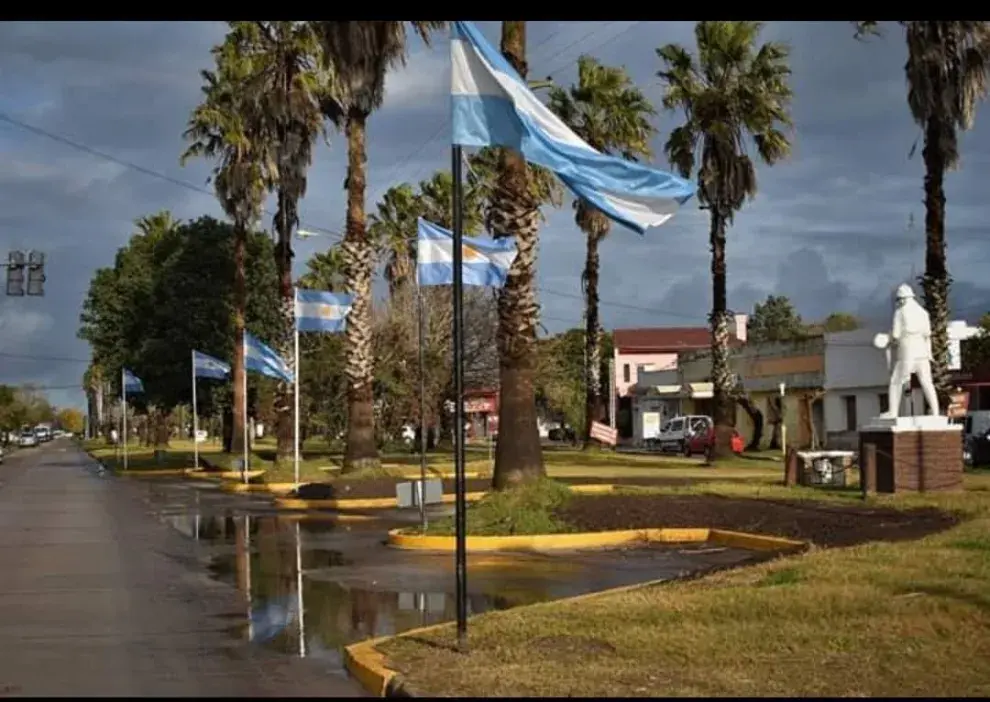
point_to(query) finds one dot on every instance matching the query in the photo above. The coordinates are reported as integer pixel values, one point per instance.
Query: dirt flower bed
(818, 523)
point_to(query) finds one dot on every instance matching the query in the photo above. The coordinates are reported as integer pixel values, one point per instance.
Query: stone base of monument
(914, 453)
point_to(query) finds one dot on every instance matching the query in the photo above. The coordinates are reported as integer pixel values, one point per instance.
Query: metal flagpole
(195, 415)
(295, 367)
(299, 592)
(244, 407)
(460, 561)
(123, 413)
(422, 406)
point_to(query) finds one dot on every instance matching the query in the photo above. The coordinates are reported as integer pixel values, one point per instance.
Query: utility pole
(31, 263)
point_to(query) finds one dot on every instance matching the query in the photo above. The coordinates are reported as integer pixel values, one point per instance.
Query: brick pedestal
(911, 458)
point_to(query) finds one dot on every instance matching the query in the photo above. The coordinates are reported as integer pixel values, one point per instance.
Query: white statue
(911, 333)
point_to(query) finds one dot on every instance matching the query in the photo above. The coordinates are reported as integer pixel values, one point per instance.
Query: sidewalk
(98, 598)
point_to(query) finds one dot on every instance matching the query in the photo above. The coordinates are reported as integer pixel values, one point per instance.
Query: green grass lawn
(878, 619)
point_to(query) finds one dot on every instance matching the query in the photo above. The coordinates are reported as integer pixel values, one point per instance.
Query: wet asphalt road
(99, 598)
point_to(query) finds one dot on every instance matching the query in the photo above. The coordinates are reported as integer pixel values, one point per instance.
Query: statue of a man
(911, 334)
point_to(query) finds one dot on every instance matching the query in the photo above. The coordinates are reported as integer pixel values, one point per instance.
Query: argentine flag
(321, 311)
(205, 366)
(258, 358)
(485, 261)
(132, 383)
(493, 106)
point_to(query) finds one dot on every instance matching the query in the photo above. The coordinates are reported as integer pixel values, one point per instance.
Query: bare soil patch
(820, 524)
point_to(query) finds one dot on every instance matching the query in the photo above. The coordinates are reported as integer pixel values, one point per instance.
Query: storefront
(481, 413)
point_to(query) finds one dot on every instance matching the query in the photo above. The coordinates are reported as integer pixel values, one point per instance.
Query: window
(884, 402)
(677, 425)
(625, 372)
(850, 402)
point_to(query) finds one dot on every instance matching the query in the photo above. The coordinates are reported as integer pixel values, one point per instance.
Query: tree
(976, 351)
(361, 52)
(840, 322)
(393, 230)
(775, 319)
(286, 81)
(514, 196)
(947, 69)
(735, 92)
(169, 293)
(71, 419)
(227, 128)
(612, 115)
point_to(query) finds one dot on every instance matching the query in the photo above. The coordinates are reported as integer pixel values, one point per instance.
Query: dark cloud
(828, 227)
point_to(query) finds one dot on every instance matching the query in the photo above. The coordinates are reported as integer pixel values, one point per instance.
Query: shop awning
(701, 391)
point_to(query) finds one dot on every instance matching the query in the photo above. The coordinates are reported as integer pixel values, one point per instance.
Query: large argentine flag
(485, 261)
(258, 358)
(492, 106)
(321, 311)
(205, 366)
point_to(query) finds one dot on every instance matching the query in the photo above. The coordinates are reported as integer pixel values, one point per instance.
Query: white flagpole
(123, 414)
(295, 323)
(195, 415)
(299, 590)
(244, 466)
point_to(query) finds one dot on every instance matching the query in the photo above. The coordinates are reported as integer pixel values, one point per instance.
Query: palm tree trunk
(518, 454)
(237, 362)
(936, 281)
(723, 411)
(361, 451)
(284, 393)
(593, 406)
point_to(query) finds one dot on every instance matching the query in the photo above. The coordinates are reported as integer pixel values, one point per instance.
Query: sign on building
(958, 404)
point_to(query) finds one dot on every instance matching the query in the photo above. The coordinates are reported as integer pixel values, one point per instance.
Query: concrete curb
(357, 503)
(597, 539)
(222, 475)
(271, 488)
(385, 502)
(369, 666)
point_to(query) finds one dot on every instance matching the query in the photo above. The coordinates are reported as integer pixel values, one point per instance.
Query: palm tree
(612, 115)
(361, 53)
(325, 270)
(947, 71)
(514, 194)
(226, 128)
(289, 87)
(393, 230)
(735, 90)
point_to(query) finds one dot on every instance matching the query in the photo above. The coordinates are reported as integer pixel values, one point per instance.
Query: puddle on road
(312, 586)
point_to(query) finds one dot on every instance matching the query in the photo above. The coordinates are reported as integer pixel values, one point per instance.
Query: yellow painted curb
(754, 542)
(369, 665)
(152, 473)
(223, 475)
(546, 542)
(358, 503)
(271, 488)
(325, 517)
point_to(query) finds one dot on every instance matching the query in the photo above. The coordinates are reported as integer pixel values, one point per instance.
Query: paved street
(99, 598)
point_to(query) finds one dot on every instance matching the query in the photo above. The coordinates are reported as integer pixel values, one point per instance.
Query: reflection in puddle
(312, 587)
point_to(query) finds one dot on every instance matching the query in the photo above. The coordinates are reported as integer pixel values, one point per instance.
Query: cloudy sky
(91, 117)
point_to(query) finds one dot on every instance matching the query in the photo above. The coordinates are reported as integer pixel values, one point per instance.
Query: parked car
(702, 441)
(677, 432)
(27, 438)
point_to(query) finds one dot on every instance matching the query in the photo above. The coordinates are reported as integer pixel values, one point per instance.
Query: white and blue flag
(132, 383)
(322, 311)
(259, 358)
(205, 366)
(485, 261)
(493, 106)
